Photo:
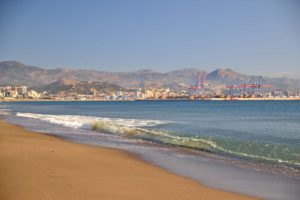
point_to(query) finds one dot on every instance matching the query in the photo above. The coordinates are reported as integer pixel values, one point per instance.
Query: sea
(249, 147)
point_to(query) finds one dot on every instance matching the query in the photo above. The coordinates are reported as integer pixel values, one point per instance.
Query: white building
(33, 94)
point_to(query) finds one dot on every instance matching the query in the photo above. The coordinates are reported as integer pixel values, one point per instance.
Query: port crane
(255, 87)
(199, 83)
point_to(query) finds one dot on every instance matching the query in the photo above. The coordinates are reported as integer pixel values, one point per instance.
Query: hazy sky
(254, 36)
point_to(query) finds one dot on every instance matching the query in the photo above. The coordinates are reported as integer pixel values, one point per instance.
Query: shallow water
(263, 130)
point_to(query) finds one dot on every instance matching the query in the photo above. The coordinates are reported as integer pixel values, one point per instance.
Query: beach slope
(38, 166)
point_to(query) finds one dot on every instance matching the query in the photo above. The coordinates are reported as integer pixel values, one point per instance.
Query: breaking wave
(87, 122)
(145, 130)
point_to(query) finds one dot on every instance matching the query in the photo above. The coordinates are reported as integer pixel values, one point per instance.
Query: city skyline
(250, 37)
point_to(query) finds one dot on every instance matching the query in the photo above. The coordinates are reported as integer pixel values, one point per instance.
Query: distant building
(24, 89)
(119, 93)
(138, 94)
(33, 94)
(21, 90)
(11, 93)
(94, 92)
(149, 93)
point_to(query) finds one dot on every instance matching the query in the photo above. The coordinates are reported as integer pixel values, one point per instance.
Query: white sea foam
(86, 122)
(138, 128)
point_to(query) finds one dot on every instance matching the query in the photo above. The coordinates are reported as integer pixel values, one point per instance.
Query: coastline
(179, 99)
(37, 166)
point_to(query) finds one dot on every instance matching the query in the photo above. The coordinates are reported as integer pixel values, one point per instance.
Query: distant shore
(204, 99)
(38, 166)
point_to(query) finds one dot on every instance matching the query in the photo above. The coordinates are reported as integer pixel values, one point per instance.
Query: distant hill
(12, 72)
(71, 86)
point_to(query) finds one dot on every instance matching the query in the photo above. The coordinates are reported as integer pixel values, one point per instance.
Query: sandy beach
(38, 166)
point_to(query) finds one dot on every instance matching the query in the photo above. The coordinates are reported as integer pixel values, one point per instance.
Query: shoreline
(205, 99)
(53, 168)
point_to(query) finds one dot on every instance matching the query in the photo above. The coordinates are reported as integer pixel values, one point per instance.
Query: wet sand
(38, 166)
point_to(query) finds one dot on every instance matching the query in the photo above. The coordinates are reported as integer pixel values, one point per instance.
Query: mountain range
(16, 73)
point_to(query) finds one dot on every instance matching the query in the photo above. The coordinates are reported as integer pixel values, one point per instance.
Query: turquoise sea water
(255, 130)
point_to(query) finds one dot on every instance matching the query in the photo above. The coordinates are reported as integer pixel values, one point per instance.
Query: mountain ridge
(17, 73)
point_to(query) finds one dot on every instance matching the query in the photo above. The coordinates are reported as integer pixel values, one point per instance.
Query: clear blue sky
(254, 36)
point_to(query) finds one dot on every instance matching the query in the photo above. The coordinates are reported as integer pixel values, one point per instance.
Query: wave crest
(147, 130)
(86, 122)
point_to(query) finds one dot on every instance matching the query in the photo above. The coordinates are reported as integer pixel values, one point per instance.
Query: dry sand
(38, 166)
